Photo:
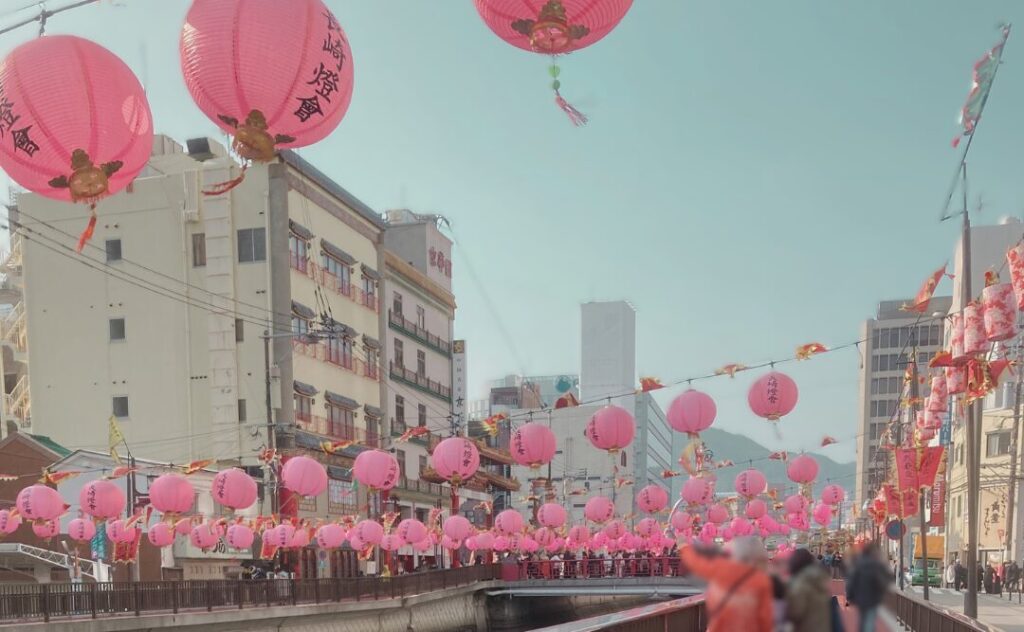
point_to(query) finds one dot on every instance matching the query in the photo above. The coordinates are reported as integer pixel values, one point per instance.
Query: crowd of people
(748, 591)
(992, 578)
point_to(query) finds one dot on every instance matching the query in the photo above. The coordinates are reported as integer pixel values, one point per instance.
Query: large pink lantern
(457, 527)
(282, 535)
(533, 445)
(456, 460)
(956, 340)
(368, 531)
(239, 537)
(614, 529)
(376, 469)
(172, 494)
(938, 397)
(501, 543)
(272, 74)
(599, 509)
(450, 544)
(802, 469)
(46, 529)
(795, 504)
(81, 529)
(696, 491)
(652, 498)
(391, 542)
(956, 380)
(611, 428)
(508, 522)
(999, 308)
(203, 536)
(718, 514)
(160, 535)
(234, 488)
(647, 527)
(101, 499)
(928, 419)
(544, 536)
(691, 412)
(39, 502)
(975, 340)
(330, 536)
(832, 495)
(823, 514)
(412, 530)
(682, 520)
(1015, 262)
(750, 483)
(9, 522)
(579, 534)
(773, 396)
(755, 509)
(304, 476)
(551, 515)
(75, 122)
(485, 540)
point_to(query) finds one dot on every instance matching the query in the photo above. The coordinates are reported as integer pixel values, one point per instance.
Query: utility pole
(268, 489)
(914, 394)
(903, 536)
(972, 423)
(1014, 448)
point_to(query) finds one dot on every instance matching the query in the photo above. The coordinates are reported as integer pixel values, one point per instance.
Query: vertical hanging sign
(946, 430)
(459, 383)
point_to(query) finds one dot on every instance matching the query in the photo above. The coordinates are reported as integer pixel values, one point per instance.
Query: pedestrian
(988, 581)
(867, 585)
(950, 577)
(739, 593)
(808, 598)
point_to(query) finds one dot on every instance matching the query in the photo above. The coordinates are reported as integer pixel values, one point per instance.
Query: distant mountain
(742, 450)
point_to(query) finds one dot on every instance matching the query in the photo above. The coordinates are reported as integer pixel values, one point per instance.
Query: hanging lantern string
(575, 116)
(43, 15)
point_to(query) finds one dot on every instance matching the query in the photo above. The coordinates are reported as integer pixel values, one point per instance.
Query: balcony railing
(421, 382)
(422, 487)
(339, 286)
(406, 326)
(335, 431)
(320, 351)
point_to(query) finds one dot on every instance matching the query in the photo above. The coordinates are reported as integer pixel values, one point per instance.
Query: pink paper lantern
(46, 529)
(555, 546)
(956, 380)
(773, 396)
(450, 544)
(802, 469)
(533, 445)
(376, 469)
(823, 514)
(412, 530)
(956, 340)
(795, 504)
(9, 522)
(647, 527)
(39, 502)
(691, 412)
(598, 541)
(599, 509)
(755, 509)
(614, 529)
(681, 520)
(832, 495)
(709, 531)
(501, 543)
(304, 476)
(272, 74)
(470, 543)
(172, 494)
(718, 514)
(741, 527)
(423, 545)
(203, 536)
(798, 521)
(579, 533)
(750, 483)
(999, 309)
(81, 529)
(551, 515)
(160, 535)
(457, 527)
(938, 397)
(234, 488)
(391, 542)
(543, 536)
(78, 126)
(975, 340)
(611, 428)
(101, 499)
(1015, 262)
(183, 526)
(508, 522)
(282, 535)
(355, 543)
(485, 540)
(239, 536)
(652, 498)
(696, 491)
(552, 28)
(330, 536)
(928, 419)
(456, 460)
(300, 539)
(369, 531)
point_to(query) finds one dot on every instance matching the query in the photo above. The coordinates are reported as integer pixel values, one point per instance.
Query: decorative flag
(330, 447)
(578, 492)
(924, 295)
(416, 431)
(804, 352)
(567, 401)
(779, 456)
(114, 437)
(128, 552)
(983, 73)
(730, 369)
(491, 423)
(52, 478)
(622, 482)
(941, 358)
(668, 473)
(648, 384)
(267, 456)
(195, 466)
(827, 440)
(724, 463)
(121, 471)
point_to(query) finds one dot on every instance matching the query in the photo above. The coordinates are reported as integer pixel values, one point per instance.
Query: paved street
(993, 610)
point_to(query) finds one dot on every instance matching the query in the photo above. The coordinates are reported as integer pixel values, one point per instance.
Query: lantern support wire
(43, 15)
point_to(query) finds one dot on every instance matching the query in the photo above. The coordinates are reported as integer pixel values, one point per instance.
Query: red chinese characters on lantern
(1015, 262)
(773, 396)
(975, 340)
(1000, 312)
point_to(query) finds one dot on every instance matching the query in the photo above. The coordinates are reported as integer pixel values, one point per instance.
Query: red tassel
(956, 142)
(578, 118)
(90, 228)
(224, 187)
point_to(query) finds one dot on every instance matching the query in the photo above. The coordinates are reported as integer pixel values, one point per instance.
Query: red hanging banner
(906, 468)
(938, 504)
(931, 459)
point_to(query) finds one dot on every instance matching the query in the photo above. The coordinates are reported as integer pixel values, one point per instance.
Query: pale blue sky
(755, 175)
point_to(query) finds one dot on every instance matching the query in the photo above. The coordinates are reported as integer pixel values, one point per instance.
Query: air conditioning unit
(193, 197)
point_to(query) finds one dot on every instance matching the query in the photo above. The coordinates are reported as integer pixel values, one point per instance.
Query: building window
(997, 443)
(622, 459)
(303, 408)
(298, 252)
(252, 245)
(198, 250)
(340, 271)
(399, 353)
(423, 463)
(399, 409)
(421, 362)
(372, 362)
(339, 351)
(342, 422)
(370, 289)
(307, 503)
(396, 304)
(241, 410)
(421, 317)
(116, 329)
(400, 456)
(239, 330)
(113, 250)
(120, 405)
(421, 415)
(300, 326)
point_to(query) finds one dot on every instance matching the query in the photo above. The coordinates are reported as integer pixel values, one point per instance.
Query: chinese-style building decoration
(75, 124)
(553, 27)
(272, 74)
(440, 261)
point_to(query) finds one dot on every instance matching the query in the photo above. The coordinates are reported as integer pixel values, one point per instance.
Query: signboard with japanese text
(459, 382)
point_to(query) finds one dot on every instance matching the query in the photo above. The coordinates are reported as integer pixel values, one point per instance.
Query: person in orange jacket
(739, 592)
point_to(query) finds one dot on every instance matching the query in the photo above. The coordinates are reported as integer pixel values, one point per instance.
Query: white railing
(19, 403)
(12, 327)
(89, 567)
